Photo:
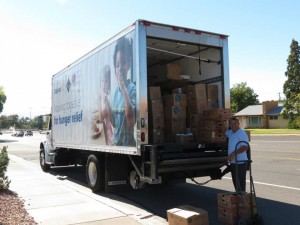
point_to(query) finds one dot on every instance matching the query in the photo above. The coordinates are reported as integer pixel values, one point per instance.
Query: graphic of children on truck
(117, 118)
(124, 101)
(105, 107)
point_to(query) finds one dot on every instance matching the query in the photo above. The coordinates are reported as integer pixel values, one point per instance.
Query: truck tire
(45, 167)
(95, 173)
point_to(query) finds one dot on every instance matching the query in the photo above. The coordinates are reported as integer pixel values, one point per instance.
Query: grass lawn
(274, 131)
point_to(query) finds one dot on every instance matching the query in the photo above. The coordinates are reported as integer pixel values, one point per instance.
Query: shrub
(294, 122)
(4, 181)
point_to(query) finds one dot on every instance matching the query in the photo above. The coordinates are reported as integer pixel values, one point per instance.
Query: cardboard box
(185, 138)
(173, 71)
(158, 121)
(211, 137)
(175, 112)
(213, 125)
(194, 120)
(212, 92)
(231, 217)
(227, 217)
(212, 104)
(157, 107)
(155, 93)
(200, 90)
(156, 117)
(232, 206)
(175, 99)
(217, 114)
(229, 200)
(212, 96)
(197, 98)
(174, 126)
(157, 136)
(187, 215)
(196, 105)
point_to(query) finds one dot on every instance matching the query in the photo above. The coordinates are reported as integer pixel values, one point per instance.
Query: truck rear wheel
(45, 167)
(95, 173)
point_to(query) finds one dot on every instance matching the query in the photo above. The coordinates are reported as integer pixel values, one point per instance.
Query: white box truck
(101, 113)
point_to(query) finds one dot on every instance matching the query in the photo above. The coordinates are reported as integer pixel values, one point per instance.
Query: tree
(291, 87)
(2, 98)
(242, 96)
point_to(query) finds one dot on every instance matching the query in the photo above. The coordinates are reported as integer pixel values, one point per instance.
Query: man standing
(237, 154)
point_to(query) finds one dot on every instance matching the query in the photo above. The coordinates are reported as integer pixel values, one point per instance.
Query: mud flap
(116, 173)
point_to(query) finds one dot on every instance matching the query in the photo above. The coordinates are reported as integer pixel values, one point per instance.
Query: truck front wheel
(45, 167)
(95, 173)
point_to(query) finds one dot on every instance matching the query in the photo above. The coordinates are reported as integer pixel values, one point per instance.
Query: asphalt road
(275, 171)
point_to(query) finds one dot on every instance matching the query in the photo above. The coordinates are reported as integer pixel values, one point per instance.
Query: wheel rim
(92, 171)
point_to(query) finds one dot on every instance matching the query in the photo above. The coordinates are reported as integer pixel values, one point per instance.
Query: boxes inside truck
(173, 71)
(174, 113)
(155, 93)
(175, 100)
(188, 84)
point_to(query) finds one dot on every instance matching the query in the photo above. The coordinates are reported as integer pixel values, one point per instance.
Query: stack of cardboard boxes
(190, 113)
(208, 123)
(175, 115)
(156, 116)
(212, 96)
(212, 125)
(197, 99)
(233, 207)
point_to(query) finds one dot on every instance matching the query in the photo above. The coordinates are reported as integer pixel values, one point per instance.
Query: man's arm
(129, 108)
(238, 151)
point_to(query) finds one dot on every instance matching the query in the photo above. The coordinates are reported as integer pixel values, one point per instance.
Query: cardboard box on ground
(187, 215)
(232, 206)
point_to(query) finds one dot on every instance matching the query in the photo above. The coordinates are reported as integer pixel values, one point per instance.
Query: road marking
(267, 184)
(294, 152)
(276, 141)
(274, 158)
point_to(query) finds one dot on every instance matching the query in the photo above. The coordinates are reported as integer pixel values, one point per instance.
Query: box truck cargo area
(148, 106)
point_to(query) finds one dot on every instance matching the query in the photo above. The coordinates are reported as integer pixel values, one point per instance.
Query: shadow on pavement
(7, 141)
(161, 198)
(157, 199)
(75, 174)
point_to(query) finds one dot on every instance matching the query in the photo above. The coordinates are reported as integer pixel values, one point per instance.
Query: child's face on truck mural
(122, 66)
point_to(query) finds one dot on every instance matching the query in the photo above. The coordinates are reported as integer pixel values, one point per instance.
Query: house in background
(266, 115)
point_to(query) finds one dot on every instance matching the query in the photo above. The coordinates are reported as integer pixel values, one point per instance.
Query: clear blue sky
(39, 38)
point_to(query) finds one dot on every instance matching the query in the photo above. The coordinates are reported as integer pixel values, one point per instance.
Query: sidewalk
(50, 200)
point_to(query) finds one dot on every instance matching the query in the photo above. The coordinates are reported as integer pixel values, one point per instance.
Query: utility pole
(29, 117)
(279, 96)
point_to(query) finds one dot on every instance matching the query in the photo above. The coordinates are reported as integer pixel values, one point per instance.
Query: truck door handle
(142, 122)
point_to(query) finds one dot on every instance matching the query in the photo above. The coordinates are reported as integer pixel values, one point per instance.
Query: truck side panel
(86, 104)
